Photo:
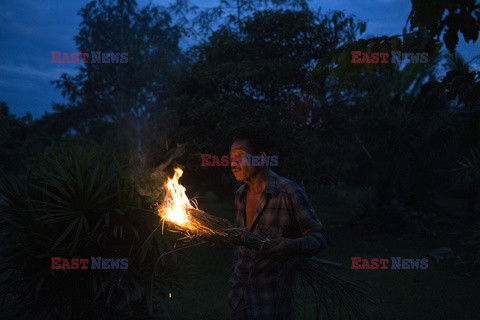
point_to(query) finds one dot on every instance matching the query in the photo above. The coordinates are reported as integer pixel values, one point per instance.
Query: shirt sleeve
(314, 235)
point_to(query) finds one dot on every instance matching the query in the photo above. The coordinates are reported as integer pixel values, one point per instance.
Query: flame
(174, 207)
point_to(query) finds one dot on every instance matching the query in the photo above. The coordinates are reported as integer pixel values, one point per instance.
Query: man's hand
(284, 248)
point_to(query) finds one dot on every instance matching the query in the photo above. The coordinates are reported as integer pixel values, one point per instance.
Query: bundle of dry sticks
(334, 297)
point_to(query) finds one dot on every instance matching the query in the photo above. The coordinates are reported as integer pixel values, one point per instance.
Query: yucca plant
(468, 171)
(78, 202)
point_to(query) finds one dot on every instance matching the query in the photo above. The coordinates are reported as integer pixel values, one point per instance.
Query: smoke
(149, 182)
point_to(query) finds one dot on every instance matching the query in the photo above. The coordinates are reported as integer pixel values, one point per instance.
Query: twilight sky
(30, 30)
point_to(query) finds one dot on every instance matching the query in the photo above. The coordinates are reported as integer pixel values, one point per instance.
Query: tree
(428, 21)
(260, 76)
(19, 140)
(200, 22)
(123, 103)
(446, 18)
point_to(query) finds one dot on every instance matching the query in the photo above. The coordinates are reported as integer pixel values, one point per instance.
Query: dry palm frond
(334, 296)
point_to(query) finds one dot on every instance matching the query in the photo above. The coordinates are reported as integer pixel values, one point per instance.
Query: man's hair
(257, 141)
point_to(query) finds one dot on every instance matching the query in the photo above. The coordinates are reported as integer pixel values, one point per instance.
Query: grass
(443, 291)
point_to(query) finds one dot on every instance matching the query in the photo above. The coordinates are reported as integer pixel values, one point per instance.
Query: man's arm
(314, 235)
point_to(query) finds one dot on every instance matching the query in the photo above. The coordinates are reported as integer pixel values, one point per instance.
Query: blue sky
(30, 30)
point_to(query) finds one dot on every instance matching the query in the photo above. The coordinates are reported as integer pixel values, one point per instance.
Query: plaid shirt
(267, 286)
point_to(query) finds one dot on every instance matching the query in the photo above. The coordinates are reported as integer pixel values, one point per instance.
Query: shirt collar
(270, 189)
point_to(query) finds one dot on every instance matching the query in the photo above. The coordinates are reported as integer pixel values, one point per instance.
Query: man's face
(241, 171)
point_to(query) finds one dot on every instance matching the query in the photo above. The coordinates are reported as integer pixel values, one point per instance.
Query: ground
(445, 290)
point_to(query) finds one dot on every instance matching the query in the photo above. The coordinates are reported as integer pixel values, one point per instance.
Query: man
(262, 281)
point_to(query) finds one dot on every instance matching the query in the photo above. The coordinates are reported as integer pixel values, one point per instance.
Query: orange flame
(174, 207)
